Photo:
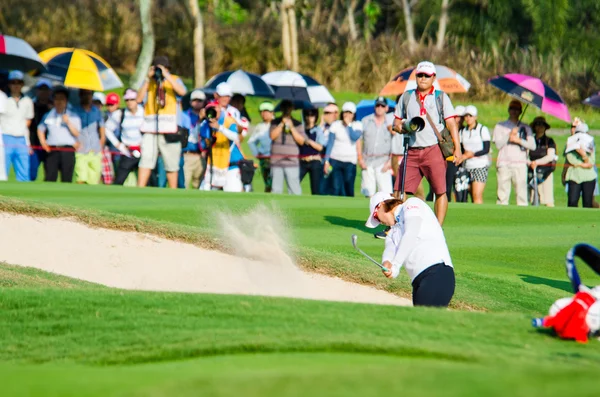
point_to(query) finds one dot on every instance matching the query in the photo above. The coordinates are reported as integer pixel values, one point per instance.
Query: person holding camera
(220, 134)
(424, 156)
(161, 92)
(512, 138)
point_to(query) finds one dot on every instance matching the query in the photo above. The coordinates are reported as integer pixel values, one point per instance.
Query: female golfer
(416, 241)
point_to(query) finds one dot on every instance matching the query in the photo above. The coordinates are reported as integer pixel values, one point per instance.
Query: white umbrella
(241, 82)
(295, 86)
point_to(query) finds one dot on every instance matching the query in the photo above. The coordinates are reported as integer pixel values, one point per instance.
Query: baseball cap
(380, 101)
(331, 108)
(426, 67)
(197, 95)
(113, 99)
(582, 127)
(224, 89)
(515, 104)
(100, 97)
(16, 75)
(130, 93)
(349, 107)
(266, 106)
(472, 110)
(377, 199)
(43, 83)
(459, 110)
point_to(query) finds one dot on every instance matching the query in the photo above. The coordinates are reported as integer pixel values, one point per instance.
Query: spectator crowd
(147, 138)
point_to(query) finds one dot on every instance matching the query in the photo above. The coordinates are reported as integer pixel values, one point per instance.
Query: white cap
(349, 107)
(582, 127)
(426, 67)
(198, 95)
(224, 89)
(100, 97)
(377, 199)
(459, 110)
(472, 110)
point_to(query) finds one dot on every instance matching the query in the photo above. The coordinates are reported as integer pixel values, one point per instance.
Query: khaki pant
(193, 169)
(546, 191)
(517, 176)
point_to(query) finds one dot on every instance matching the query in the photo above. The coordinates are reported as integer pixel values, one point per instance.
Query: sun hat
(224, 89)
(113, 99)
(472, 110)
(16, 75)
(426, 67)
(99, 97)
(266, 107)
(197, 95)
(377, 199)
(540, 120)
(43, 83)
(459, 110)
(349, 107)
(130, 93)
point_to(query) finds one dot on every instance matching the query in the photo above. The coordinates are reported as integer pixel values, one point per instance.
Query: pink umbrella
(17, 54)
(533, 91)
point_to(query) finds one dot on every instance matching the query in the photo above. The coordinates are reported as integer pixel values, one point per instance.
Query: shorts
(425, 162)
(152, 145)
(478, 174)
(229, 180)
(88, 168)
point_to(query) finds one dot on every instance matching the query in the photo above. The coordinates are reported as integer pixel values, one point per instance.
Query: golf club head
(354, 239)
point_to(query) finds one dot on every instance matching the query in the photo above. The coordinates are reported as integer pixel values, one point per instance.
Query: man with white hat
(424, 157)
(15, 122)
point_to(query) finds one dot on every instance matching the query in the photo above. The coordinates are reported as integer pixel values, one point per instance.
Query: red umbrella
(17, 54)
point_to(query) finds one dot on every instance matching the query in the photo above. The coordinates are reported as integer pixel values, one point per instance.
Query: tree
(350, 7)
(441, 35)
(147, 53)
(408, 23)
(199, 66)
(289, 34)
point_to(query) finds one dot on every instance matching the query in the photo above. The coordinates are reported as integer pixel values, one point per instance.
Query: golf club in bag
(355, 245)
(416, 124)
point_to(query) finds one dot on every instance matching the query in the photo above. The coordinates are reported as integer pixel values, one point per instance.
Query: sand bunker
(143, 262)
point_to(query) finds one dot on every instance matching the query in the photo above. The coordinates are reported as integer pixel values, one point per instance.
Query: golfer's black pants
(61, 158)
(126, 165)
(584, 190)
(451, 170)
(314, 169)
(434, 286)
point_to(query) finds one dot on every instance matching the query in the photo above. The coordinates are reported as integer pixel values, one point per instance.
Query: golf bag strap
(433, 127)
(439, 103)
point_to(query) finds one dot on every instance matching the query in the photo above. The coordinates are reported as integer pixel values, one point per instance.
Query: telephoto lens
(211, 113)
(158, 76)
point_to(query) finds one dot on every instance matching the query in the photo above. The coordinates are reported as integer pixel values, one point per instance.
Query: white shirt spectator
(344, 149)
(13, 121)
(129, 127)
(416, 241)
(472, 141)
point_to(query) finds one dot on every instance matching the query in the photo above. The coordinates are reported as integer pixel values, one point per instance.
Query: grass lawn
(64, 337)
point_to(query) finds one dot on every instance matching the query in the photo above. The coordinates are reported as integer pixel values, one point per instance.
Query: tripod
(405, 160)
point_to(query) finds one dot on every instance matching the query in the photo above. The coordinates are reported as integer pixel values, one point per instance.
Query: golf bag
(576, 317)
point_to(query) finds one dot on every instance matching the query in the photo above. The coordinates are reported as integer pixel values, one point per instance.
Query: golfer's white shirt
(416, 241)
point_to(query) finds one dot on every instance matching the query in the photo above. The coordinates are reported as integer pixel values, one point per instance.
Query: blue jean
(343, 175)
(35, 159)
(16, 153)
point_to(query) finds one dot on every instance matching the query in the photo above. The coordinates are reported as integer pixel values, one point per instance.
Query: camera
(211, 113)
(415, 124)
(523, 136)
(158, 74)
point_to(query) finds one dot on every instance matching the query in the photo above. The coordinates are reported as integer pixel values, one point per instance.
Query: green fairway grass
(65, 337)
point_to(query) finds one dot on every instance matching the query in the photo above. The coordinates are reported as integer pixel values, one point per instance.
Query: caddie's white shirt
(14, 118)
(472, 141)
(416, 241)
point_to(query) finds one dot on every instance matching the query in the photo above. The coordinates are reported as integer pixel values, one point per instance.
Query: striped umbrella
(77, 68)
(594, 100)
(298, 87)
(446, 80)
(532, 91)
(17, 54)
(241, 82)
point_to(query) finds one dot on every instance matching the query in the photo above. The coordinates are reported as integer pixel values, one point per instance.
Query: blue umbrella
(366, 107)
(594, 100)
(241, 82)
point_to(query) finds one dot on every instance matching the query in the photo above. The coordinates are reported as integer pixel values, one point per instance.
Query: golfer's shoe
(382, 234)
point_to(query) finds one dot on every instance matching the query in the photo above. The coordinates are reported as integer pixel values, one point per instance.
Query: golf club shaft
(372, 260)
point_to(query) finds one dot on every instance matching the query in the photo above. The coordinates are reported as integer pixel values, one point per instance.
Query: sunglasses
(423, 76)
(16, 82)
(516, 109)
(330, 112)
(379, 105)
(131, 99)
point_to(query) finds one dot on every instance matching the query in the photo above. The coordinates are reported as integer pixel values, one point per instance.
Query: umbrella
(298, 105)
(446, 80)
(532, 91)
(17, 54)
(298, 87)
(366, 107)
(77, 68)
(594, 100)
(241, 82)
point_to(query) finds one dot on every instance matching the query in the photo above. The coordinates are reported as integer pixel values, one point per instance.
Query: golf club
(355, 245)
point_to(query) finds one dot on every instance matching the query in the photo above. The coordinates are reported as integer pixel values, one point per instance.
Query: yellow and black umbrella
(77, 68)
